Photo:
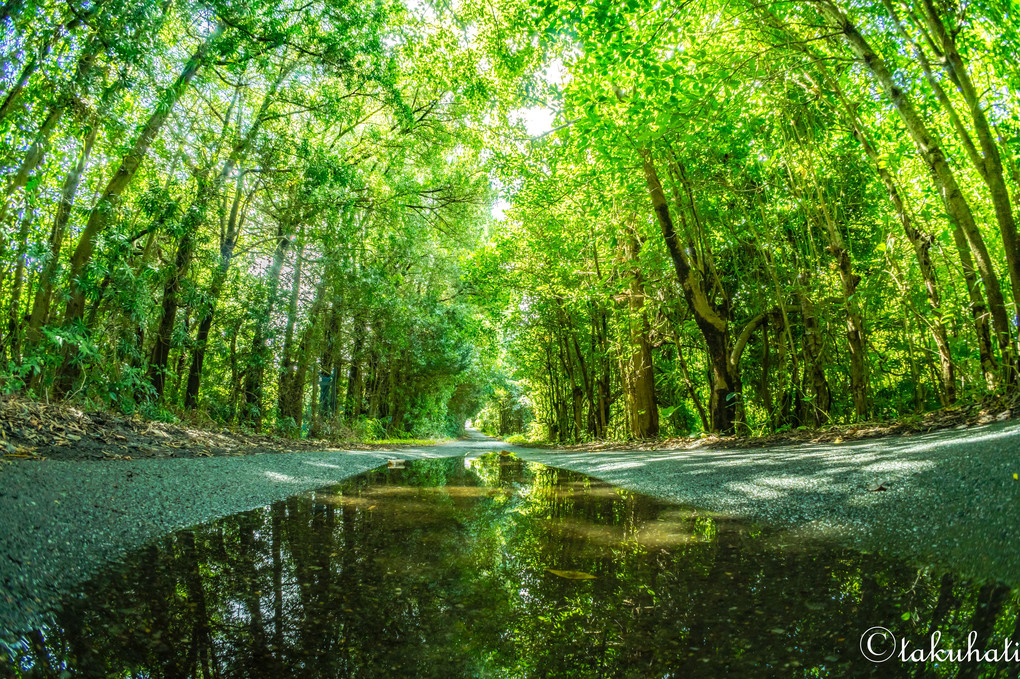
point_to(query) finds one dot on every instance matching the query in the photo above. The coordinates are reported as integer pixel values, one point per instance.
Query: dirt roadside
(30, 430)
(960, 417)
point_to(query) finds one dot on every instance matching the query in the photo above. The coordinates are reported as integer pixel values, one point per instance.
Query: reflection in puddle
(444, 569)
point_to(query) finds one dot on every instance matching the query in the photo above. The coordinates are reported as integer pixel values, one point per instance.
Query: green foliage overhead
(339, 218)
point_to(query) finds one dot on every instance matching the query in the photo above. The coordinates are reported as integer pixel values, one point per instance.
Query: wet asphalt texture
(947, 499)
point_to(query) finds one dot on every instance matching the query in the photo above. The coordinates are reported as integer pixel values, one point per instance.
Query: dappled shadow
(946, 497)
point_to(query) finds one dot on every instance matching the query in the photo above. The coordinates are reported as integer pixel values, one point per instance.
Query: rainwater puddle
(494, 567)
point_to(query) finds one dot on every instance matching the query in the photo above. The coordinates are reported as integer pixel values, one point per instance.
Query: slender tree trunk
(765, 383)
(816, 385)
(978, 308)
(107, 204)
(915, 373)
(854, 318)
(255, 374)
(691, 390)
(587, 393)
(313, 400)
(168, 318)
(235, 374)
(47, 280)
(990, 166)
(921, 243)
(378, 388)
(942, 174)
(603, 383)
(14, 315)
(293, 399)
(44, 295)
(219, 278)
(30, 67)
(292, 368)
(352, 401)
(328, 369)
(172, 289)
(37, 150)
(28, 165)
(292, 303)
(575, 416)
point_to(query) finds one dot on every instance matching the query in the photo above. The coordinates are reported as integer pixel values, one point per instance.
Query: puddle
(494, 567)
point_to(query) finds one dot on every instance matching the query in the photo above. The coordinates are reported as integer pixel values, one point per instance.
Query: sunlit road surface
(950, 498)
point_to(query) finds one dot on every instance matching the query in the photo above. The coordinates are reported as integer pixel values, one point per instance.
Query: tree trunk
(43, 51)
(691, 390)
(219, 278)
(47, 280)
(816, 390)
(713, 325)
(255, 374)
(990, 166)
(942, 174)
(604, 384)
(293, 368)
(379, 389)
(921, 243)
(639, 377)
(313, 403)
(292, 404)
(168, 317)
(854, 319)
(574, 418)
(353, 398)
(978, 308)
(14, 316)
(34, 156)
(104, 208)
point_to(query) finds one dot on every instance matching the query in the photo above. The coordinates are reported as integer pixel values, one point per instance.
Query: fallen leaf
(571, 575)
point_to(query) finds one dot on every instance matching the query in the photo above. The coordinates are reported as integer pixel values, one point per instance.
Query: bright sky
(537, 120)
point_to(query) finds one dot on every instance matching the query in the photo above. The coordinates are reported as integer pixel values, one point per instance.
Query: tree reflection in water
(440, 569)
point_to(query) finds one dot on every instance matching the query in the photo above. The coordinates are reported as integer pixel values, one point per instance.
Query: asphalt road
(950, 499)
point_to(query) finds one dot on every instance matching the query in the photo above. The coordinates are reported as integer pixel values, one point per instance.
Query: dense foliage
(758, 216)
(256, 210)
(746, 216)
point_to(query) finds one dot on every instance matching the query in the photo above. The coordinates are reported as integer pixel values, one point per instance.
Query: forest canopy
(576, 220)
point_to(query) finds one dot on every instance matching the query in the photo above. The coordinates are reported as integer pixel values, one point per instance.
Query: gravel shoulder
(950, 498)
